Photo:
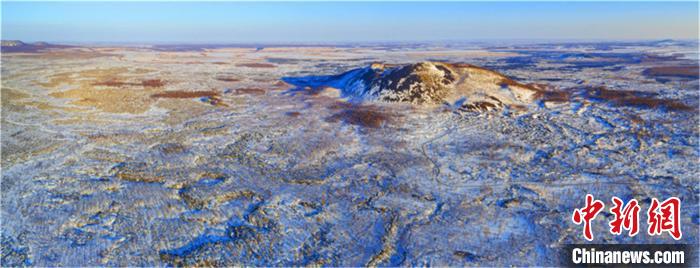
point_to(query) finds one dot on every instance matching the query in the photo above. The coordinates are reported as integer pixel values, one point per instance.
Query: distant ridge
(9, 46)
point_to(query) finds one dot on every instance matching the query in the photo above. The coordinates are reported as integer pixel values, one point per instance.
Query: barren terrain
(154, 156)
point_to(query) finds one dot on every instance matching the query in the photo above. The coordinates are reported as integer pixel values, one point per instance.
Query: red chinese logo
(627, 217)
(665, 217)
(662, 217)
(589, 212)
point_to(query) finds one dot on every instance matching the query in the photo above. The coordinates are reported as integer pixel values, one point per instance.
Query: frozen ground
(189, 156)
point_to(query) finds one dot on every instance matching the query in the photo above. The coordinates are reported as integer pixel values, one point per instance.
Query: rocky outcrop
(12, 43)
(425, 83)
(19, 46)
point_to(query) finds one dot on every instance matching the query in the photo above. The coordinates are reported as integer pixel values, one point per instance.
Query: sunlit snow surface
(257, 172)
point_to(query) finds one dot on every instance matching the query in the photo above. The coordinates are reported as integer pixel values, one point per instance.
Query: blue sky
(244, 22)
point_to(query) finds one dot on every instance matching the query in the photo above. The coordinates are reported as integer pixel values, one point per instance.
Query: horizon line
(359, 42)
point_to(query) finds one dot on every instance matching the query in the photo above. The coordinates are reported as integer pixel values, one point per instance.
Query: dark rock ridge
(424, 83)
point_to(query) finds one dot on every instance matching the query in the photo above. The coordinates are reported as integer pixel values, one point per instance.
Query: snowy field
(156, 156)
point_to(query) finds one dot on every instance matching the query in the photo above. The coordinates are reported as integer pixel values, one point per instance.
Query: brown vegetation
(628, 98)
(250, 91)
(340, 105)
(113, 83)
(553, 95)
(152, 83)
(256, 65)
(228, 79)
(360, 115)
(634, 98)
(180, 94)
(117, 83)
(292, 114)
(674, 71)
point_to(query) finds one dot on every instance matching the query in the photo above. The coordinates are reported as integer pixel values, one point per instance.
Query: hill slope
(426, 83)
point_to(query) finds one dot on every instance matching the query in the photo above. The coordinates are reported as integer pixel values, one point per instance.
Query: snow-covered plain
(219, 162)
